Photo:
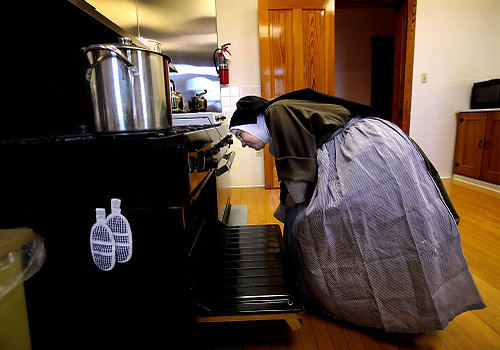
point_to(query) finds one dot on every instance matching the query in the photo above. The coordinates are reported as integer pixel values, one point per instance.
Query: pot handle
(113, 50)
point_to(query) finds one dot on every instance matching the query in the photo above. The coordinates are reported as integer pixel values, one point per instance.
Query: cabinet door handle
(480, 143)
(486, 145)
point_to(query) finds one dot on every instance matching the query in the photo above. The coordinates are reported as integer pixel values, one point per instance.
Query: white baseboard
(478, 183)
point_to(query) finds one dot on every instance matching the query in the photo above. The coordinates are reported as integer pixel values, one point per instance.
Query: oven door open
(243, 274)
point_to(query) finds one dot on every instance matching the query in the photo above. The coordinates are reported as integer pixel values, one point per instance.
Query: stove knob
(213, 151)
(212, 163)
(201, 162)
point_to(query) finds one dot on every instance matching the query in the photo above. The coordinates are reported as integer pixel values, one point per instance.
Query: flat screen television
(485, 94)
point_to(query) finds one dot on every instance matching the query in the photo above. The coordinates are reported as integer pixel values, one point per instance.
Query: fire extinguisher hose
(216, 63)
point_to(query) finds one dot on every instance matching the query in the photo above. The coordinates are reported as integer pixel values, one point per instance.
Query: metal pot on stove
(198, 103)
(129, 86)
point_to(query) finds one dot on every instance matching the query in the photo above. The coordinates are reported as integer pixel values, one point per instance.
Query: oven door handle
(226, 167)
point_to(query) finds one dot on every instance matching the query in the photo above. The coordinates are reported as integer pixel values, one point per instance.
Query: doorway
(374, 55)
(382, 74)
(397, 17)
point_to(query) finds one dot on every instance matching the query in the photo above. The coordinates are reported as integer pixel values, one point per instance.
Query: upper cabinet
(477, 149)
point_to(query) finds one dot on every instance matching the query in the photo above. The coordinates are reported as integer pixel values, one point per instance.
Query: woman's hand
(289, 203)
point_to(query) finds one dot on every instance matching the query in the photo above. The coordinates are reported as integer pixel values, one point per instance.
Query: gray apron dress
(376, 245)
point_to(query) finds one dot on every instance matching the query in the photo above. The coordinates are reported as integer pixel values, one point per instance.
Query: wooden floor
(480, 230)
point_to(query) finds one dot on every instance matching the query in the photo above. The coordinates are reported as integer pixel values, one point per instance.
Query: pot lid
(126, 44)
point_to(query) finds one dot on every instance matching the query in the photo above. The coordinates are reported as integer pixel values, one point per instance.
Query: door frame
(403, 63)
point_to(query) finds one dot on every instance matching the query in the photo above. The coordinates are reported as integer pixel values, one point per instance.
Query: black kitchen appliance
(485, 94)
(186, 263)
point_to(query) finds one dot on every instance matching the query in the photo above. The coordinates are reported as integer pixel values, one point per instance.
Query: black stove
(186, 263)
(169, 190)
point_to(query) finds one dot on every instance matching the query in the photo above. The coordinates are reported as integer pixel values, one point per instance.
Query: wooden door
(296, 51)
(469, 144)
(490, 170)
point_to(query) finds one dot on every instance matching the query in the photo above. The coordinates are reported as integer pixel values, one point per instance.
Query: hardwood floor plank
(292, 339)
(260, 206)
(307, 334)
(453, 337)
(491, 296)
(321, 332)
(477, 331)
(428, 341)
(377, 339)
(353, 338)
(238, 196)
(338, 338)
(253, 214)
(370, 342)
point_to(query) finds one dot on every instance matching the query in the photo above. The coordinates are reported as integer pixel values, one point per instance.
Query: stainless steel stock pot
(129, 86)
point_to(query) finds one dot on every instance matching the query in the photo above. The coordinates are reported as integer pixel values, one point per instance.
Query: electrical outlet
(259, 153)
(424, 77)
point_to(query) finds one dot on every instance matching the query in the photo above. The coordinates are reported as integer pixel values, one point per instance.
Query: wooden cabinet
(477, 148)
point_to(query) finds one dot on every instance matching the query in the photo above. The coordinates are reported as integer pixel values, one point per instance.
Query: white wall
(457, 42)
(353, 49)
(238, 23)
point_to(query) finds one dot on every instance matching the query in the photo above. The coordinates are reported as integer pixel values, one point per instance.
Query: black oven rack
(244, 271)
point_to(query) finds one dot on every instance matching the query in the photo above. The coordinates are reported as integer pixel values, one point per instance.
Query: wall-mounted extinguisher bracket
(221, 55)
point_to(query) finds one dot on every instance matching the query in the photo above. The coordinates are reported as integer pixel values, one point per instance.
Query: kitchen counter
(479, 110)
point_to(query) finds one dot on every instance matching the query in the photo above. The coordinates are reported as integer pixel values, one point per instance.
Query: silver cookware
(198, 103)
(129, 87)
(177, 99)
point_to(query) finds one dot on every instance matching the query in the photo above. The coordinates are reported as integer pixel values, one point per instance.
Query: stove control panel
(207, 160)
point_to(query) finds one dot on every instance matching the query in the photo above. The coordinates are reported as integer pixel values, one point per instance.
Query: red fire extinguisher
(220, 62)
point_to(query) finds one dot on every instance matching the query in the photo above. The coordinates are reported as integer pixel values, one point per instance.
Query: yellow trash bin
(16, 265)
